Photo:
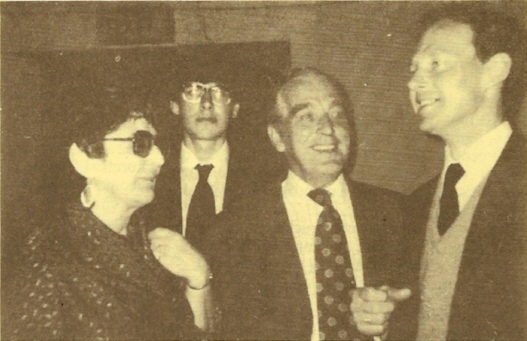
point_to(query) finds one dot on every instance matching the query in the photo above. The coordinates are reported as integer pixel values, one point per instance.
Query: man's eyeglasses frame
(193, 92)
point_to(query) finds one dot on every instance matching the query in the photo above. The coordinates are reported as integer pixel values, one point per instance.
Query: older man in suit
(293, 256)
(467, 226)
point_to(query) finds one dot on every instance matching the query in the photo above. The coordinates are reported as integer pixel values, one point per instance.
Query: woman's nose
(156, 157)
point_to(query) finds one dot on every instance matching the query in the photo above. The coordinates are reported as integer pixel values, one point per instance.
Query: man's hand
(371, 308)
(179, 257)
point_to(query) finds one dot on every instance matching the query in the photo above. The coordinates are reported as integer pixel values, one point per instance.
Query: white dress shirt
(477, 161)
(190, 176)
(303, 214)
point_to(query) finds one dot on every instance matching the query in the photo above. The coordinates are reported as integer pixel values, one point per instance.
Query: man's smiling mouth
(425, 101)
(325, 147)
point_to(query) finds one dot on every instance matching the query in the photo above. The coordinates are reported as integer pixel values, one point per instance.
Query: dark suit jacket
(490, 295)
(259, 280)
(165, 210)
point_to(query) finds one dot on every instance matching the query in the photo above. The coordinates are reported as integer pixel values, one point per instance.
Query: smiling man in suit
(294, 255)
(467, 227)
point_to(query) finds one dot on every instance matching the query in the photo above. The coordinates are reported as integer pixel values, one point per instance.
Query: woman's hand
(175, 253)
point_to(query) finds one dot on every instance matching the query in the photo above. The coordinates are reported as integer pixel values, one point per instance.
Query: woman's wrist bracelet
(207, 283)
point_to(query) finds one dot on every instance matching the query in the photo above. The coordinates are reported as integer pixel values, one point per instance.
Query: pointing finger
(398, 295)
(373, 295)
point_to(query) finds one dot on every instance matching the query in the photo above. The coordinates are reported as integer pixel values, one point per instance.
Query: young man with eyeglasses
(203, 175)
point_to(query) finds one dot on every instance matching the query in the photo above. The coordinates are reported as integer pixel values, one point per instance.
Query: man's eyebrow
(295, 109)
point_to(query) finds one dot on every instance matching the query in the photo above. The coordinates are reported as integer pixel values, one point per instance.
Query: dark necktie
(449, 205)
(201, 210)
(335, 280)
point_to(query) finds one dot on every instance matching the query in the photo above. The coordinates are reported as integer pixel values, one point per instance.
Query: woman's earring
(87, 199)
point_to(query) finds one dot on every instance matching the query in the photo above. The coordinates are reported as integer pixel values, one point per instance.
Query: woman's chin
(140, 199)
(147, 198)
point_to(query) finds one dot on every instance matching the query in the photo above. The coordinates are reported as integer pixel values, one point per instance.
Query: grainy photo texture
(264, 170)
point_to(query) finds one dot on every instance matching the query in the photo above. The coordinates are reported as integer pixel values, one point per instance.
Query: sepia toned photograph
(263, 170)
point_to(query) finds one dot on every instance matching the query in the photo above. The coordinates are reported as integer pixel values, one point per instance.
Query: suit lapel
(369, 216)
(172, 189)
(285, 278)
(363, 210)
(490, 231)
(498, 196)
(234, 182)
(288, 259)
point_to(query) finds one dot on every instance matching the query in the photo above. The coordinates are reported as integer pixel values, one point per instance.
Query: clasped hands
(372, 307)
(175, 253)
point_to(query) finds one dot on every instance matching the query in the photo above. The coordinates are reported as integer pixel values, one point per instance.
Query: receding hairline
(445, 25)
(307, 78)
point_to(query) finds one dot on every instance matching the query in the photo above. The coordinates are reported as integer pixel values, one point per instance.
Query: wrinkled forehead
(310, 90)
(449, 36)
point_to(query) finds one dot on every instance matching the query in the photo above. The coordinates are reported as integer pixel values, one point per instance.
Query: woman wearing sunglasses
(95, 271)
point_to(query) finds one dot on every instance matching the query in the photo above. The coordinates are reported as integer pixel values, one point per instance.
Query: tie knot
(454, 172)
(204, 171)
(321, 197)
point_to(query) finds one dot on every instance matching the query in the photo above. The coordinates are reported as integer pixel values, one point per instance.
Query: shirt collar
(219, 160)
(294, 184)
(338, 188)
(484, 153)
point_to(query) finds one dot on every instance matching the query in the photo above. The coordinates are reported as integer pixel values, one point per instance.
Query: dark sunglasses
(143, 141)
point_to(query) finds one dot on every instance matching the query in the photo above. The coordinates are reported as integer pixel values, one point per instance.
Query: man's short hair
(493, 32)
(278, 114)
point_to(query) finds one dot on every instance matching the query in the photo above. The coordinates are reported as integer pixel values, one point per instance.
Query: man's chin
(427, 125)
(331, 168)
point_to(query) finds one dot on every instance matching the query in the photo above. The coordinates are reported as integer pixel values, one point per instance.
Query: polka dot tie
(334, 273)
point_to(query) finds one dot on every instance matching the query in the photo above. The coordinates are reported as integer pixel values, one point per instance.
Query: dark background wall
(367, 45)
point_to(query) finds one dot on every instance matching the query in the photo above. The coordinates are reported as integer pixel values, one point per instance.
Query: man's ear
(174, 107)
(235, 110)
(497, 69)
(84, 165)
(276, 139)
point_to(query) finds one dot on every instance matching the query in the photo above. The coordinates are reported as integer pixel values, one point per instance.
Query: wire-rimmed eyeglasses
(194, 91)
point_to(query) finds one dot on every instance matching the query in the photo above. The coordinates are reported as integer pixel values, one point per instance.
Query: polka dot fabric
(83, 281)
(334, 272)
